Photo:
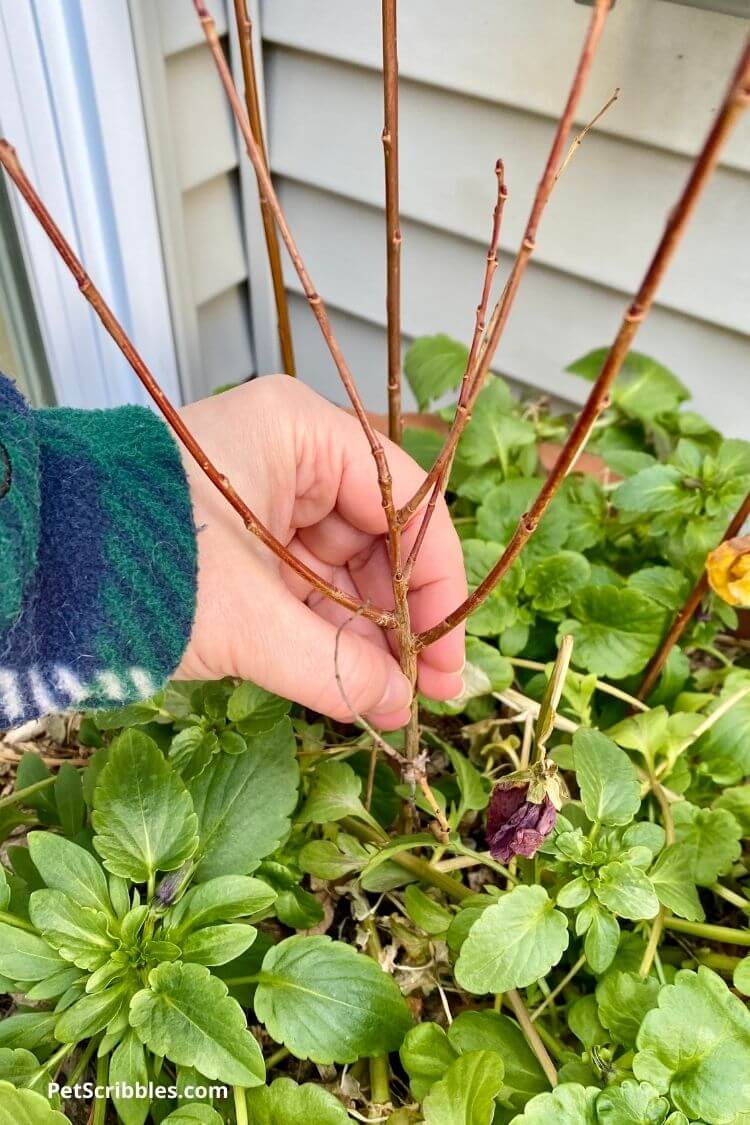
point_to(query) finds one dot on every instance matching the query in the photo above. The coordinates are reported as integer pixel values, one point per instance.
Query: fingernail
(398, 694)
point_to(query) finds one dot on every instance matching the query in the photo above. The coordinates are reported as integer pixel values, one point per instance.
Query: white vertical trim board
(70, 103)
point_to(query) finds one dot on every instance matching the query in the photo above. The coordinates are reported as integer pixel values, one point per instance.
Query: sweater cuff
(108, 599)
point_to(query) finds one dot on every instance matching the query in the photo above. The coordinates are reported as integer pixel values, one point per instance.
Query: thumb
(302, 663)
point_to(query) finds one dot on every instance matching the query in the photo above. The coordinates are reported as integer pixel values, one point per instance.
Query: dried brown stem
(393, 223)
(584, 133)
(252, 101)
(685, 616)
(502, 309)
(12, 166)
(735, 101)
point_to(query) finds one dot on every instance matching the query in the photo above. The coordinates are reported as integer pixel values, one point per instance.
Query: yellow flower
(729, 571)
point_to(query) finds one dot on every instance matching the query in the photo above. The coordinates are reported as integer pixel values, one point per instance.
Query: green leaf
(244, 804)
(485, 657)
(216, 945)
(695, 1046)
(425, 912)
(286, 1103)
(466, 1095)
(78, 933)
(711, 838)
(610, 791)
(195, 1113)
(143, 818)
(426, 1054)
(434, 365)
(187, 1015)
(602, 937)
(422, 445)
(663, 584)
(254, 709)
(326, 1002)
(91, 1014)
(298, 909)
(632, 1103)
(219, 900)
(568, 1104)
(615, 630)
(26, 1107)
(736, 800)
(624, 999)
(71, 806)
(26, 957)
(625, 890)
(17, 1066)
(29, 1030)
(741, 976)
(552, 582)
(725, 748)
(66, 867)
(644, 389)
(513, 943)
(657, 489)
(326, 860)
(4, 889)
(191, 751)
(475, 794)
(583, 1021)
(334, 794)
(493, 1031)
(128, 1066)
(502, 508)
(672, 877)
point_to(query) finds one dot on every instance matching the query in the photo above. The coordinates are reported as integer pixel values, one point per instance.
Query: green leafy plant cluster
(229, 891)
(618, 550)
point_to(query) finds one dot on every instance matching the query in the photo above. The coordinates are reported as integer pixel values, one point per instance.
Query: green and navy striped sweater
(97, 557)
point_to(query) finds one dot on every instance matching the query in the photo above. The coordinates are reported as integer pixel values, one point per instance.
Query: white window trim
(70, 103)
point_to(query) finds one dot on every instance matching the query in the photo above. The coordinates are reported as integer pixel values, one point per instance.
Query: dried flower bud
(516, 825)
(729, 571)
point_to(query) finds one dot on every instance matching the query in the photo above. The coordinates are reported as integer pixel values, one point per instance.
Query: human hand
(304, 467)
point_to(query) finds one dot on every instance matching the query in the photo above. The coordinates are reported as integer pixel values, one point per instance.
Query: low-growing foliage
(224, 894)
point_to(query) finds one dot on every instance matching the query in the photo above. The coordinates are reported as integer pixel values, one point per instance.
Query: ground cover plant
(529, 905)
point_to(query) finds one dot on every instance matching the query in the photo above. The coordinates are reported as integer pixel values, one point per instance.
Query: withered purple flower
(516, 825)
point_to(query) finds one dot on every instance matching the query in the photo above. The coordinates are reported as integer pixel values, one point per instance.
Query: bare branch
(12, 166)
(502, 309)
(313, 297)
(393, 224)
(252, 101)
(685, 616)
(479, 325)
(735, 101)
(584, 133)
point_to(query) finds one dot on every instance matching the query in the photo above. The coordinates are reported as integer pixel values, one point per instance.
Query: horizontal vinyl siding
(483, 82)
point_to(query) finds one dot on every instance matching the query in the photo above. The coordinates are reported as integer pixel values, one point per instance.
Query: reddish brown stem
(313, 297)
(393, 224)
(734, 102)
(479, 325)
(502, 309)
(685, 616)
(12, 166)
(252, 101)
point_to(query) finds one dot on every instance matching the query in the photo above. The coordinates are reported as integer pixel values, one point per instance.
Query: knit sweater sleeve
(97, 557)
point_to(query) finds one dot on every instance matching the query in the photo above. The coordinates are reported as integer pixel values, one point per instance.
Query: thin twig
(528, 245)
(479, 325)
(10, 162)
(252, 101)
(735, 101)
(393, 224)
(685, 616)
(584, 133)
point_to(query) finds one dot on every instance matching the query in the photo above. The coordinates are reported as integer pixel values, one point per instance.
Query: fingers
(300, 663)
